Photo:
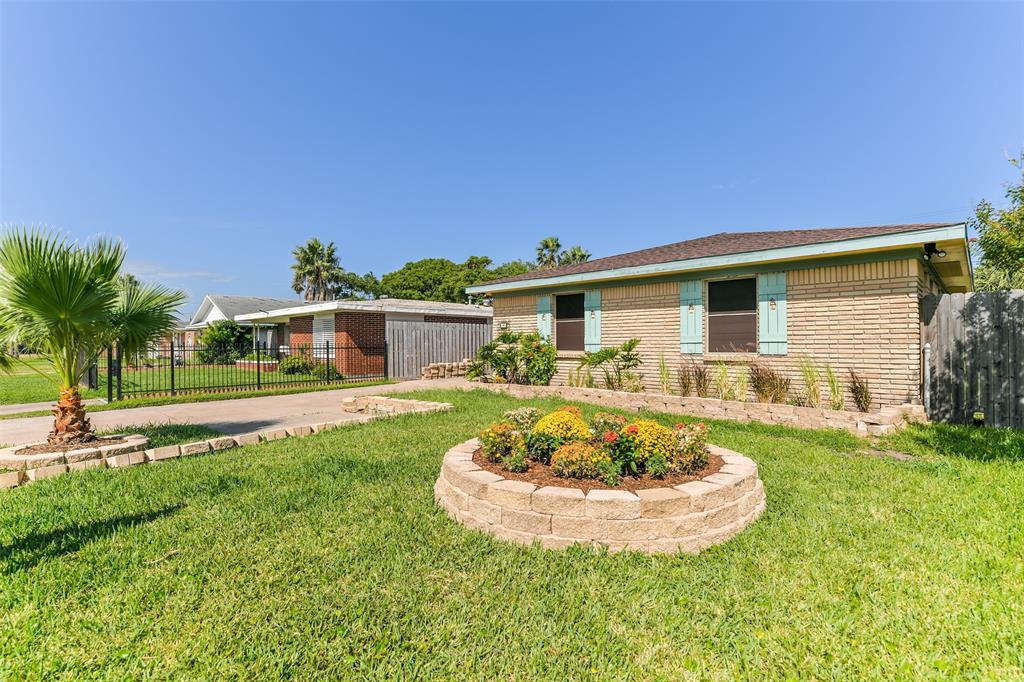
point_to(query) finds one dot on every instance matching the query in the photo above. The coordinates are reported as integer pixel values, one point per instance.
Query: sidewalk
(34, 407)
(227, 416)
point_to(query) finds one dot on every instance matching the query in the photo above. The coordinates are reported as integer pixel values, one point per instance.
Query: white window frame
(323, 336)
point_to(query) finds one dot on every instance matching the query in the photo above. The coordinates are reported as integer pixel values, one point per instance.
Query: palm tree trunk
(70, 424)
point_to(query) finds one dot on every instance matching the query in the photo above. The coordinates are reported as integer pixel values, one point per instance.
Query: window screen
(732, 316)
(569, 322)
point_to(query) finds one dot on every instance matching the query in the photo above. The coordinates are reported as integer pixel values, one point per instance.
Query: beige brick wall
(863, 317)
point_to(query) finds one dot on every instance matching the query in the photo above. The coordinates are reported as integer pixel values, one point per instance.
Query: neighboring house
(217, 307)
(360, 335)
(846, 296)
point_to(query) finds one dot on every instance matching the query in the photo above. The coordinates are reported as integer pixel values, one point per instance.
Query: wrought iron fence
(173, 369)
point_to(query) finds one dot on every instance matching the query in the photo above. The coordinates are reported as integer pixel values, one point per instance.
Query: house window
(732, 316)
(323, 336)
(569, 322)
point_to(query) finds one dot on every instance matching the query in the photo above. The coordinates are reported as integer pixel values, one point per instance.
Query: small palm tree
(571, 256)
(68, 303)
(547, 252)
(317, 270)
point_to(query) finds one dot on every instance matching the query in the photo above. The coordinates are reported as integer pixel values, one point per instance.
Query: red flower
(631, 428)
(680, 426)
(610, 436)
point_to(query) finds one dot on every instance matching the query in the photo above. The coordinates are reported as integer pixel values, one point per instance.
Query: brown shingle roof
(722, 244)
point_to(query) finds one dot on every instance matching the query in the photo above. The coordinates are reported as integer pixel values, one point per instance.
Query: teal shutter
(592, 320)
(771, 313)
(691, 316)
(544, 317)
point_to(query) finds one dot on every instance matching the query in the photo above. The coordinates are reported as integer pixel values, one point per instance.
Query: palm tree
(68, 303)
(576, 254)
(317, 270)
(547, 252)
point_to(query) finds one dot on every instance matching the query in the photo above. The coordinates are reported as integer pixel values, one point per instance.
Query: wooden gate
(413, 344)
(977, 356)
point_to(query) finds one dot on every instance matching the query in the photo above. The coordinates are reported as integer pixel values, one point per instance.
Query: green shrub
(835, 389)
(223, 342)
(515, 358)
(664, 378)
(684, 378)
(861, 392)
(523, 418)
(692, 452)
(701, 380)
(617, 365)
(579, 460)
(812, 381)
(768, 385)
(501, 440)
(294, 364)
(516, 462)
(657, 466)
(540, 446)
(326, 371)
(603, 422)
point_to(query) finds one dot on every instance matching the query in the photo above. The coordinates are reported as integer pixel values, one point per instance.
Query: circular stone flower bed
(559, 480)
(683, 518)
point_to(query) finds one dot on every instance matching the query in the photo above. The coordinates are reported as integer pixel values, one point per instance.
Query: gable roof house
(847, 296)
(216, 307)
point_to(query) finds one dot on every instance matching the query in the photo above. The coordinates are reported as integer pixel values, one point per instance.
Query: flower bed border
(887, 420)
(685, 518)
(130, 454)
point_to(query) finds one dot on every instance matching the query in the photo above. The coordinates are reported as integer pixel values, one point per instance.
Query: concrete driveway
(227, 416)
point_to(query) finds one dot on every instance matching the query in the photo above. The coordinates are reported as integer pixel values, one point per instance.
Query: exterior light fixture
(931, 250)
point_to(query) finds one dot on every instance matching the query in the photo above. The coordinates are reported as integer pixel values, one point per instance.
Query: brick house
(392, 337)
(846, 296)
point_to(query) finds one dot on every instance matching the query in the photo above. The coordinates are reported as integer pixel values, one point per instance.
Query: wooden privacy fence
(413, 344)
(976, 357)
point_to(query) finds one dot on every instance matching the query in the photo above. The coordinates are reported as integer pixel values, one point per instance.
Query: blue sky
(213, 138)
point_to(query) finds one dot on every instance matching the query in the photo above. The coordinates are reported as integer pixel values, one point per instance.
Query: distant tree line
(319, 276)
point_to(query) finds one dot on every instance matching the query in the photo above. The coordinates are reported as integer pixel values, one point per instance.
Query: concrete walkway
(227, 416)
(35, 407)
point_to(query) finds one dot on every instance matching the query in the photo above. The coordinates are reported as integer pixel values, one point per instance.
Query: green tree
(429, 279)
(353, 286)
(1001, 237)
(550, 254)
(547, 252)
(69, 302)
(223, 341)
(316, 270)
(510, 269)
(573, 255)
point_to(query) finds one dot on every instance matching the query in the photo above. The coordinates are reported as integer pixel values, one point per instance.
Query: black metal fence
(172, 369)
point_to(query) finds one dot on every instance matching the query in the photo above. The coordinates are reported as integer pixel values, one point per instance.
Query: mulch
(541, 475)
(46, 448)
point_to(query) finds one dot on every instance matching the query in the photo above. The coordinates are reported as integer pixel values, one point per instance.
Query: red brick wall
(301, 331)
(360, 338)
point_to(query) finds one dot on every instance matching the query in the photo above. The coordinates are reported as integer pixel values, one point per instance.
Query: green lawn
(27, 386)
(203, 397)
(326, 557)
(32, 388)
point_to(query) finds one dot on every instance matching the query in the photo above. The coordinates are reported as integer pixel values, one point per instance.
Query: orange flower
(610, 437)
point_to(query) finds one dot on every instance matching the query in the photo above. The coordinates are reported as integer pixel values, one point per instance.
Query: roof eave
(819, 249)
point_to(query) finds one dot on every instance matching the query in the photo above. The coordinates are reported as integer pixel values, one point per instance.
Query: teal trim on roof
(775, 256)
(850, 259)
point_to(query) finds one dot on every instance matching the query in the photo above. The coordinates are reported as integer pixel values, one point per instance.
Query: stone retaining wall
(684, 518)
(879, 423)
(444, 370)
(132, 453)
